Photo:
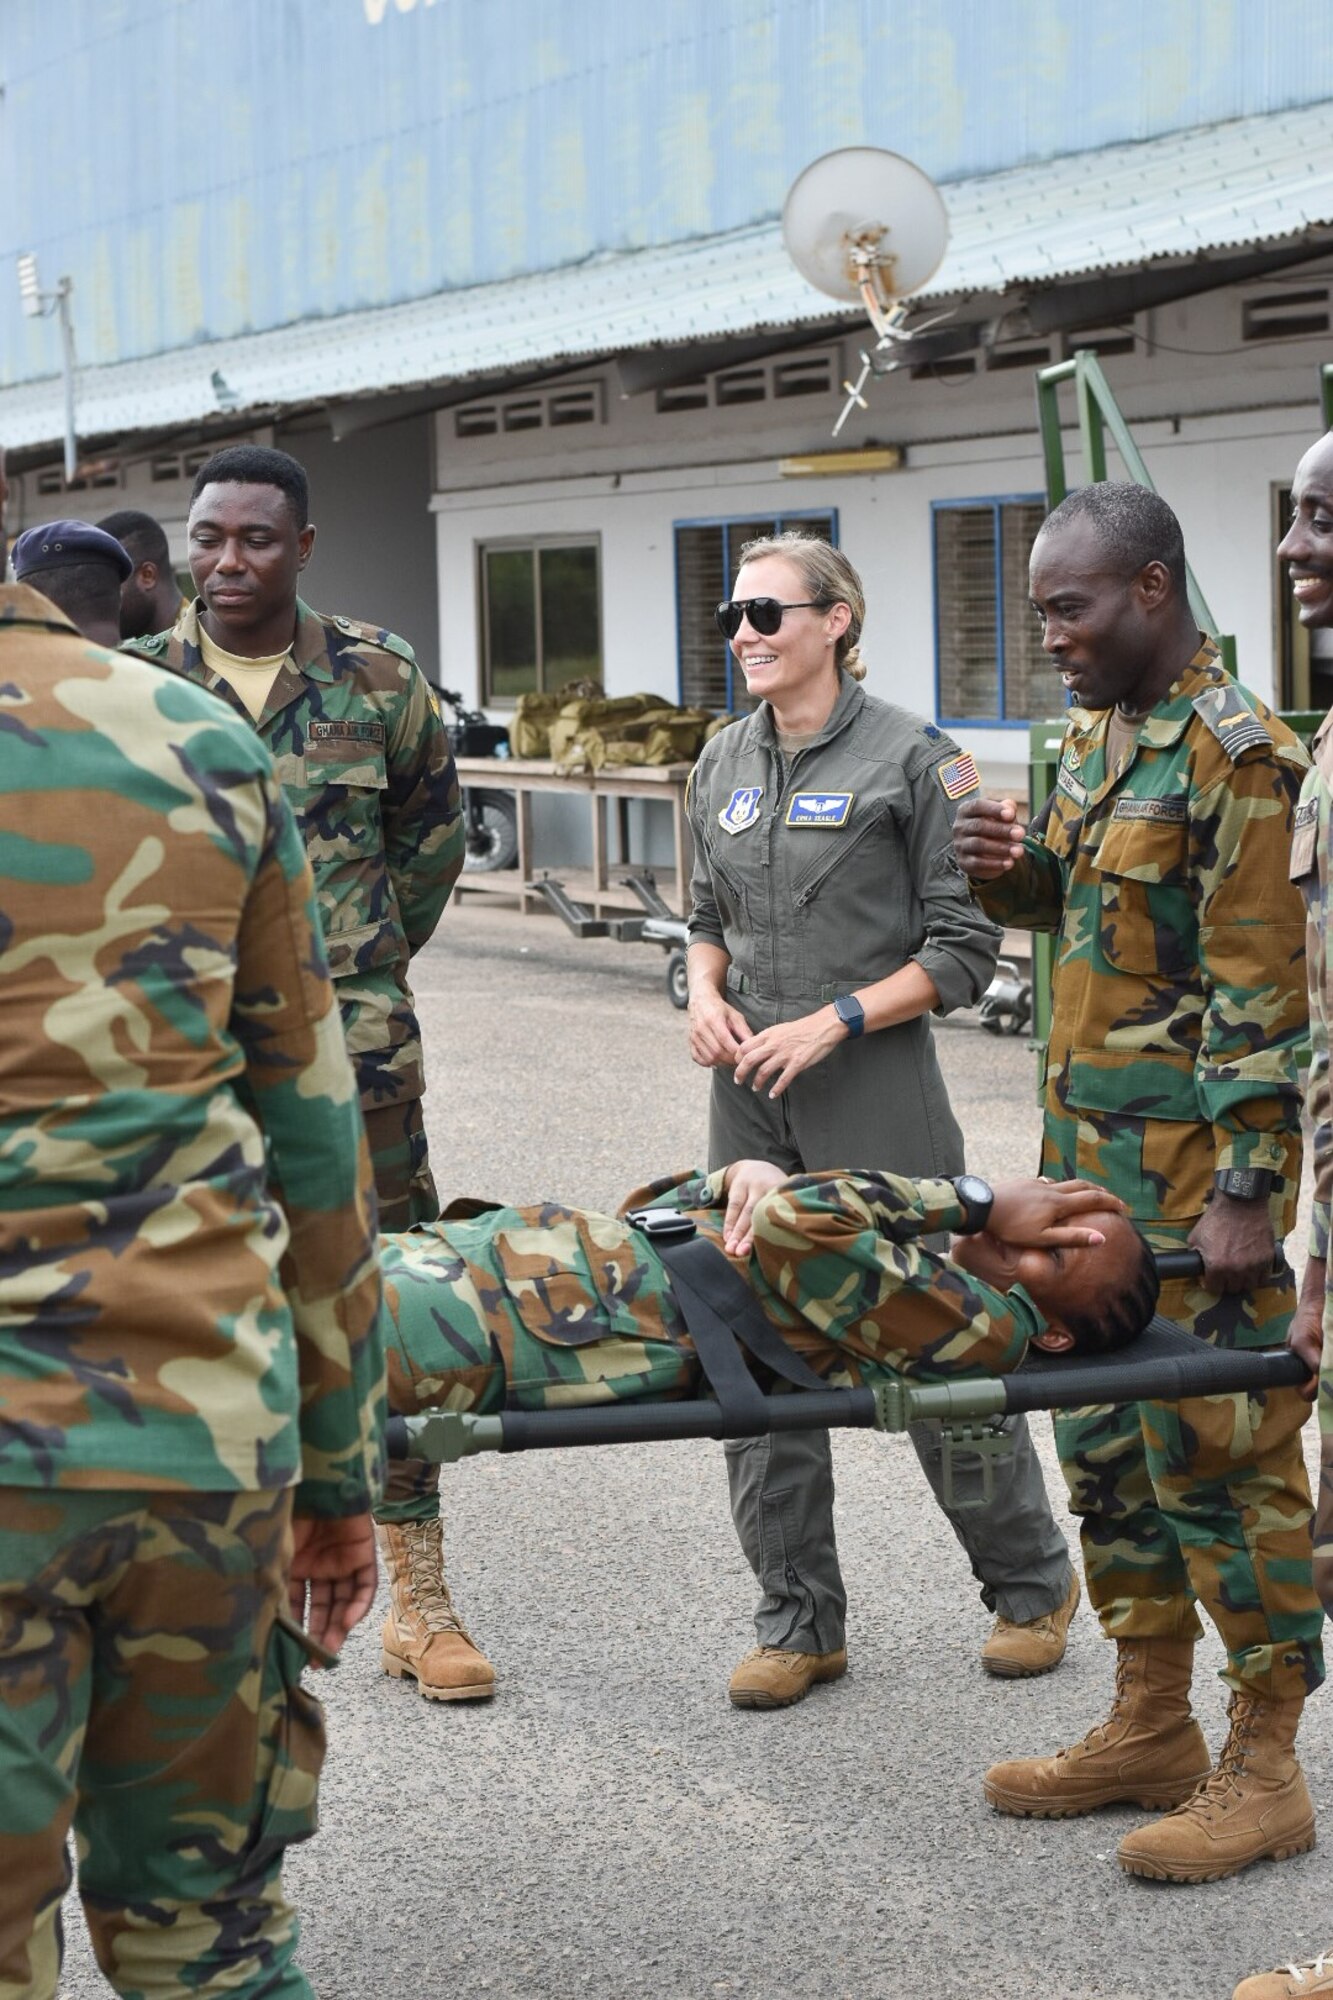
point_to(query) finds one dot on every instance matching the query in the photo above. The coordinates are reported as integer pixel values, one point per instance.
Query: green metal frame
(1326, 393)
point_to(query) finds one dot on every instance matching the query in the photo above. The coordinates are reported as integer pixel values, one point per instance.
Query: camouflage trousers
(396, 1135)
(1208, 1501)
(405, 1189)
(150, 1697)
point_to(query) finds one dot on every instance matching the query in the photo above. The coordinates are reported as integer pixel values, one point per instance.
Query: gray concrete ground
(609, 1826)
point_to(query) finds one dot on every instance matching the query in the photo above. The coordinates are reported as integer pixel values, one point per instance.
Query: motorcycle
(491, 818)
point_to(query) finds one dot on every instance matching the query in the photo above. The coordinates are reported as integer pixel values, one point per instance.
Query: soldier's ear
(305, 544)
(1153, 584)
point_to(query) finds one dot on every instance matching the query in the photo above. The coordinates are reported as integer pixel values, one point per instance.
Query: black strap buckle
(663, 1224)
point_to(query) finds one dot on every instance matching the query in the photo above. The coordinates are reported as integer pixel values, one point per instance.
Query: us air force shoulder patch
(958, 777)
(741, 809)
(819, 808)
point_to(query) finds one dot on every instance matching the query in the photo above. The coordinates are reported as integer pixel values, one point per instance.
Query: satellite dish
(866, 224)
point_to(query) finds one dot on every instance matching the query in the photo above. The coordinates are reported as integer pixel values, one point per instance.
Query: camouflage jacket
(167, 1009)
(1310, 871)
(546, 1307)
(1178, 996)
(360, 747)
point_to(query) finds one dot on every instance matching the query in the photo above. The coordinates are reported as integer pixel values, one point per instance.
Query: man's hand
(1236, 1241)
(1306, 1336)
(745, 1181)
(1050, 1215)
(716, 1029)
(987, 838)
(336, 1560)
(775, 1056)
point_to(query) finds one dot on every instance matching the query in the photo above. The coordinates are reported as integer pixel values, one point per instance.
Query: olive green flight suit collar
(851, 698)
(180, 651)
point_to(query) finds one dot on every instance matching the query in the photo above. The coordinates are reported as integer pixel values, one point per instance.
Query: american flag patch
(959, 778)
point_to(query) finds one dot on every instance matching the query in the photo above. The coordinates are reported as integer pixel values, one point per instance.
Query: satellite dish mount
(866, 224)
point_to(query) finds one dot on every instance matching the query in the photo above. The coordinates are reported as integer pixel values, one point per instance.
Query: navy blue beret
(68, 542)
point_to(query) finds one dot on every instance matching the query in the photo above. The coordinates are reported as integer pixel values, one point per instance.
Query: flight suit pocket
(1145, 912)
(730, 895)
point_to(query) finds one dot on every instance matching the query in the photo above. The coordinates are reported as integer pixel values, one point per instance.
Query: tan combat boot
(424, 1638)
(1014, 1651)
(1149, 1751)
(1311, 1981)
(773, 1677)
(1253, 1806)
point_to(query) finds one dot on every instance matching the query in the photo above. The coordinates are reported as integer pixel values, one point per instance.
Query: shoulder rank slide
(1236, 726)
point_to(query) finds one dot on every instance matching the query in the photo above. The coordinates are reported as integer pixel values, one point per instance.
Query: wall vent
(1104, 341)
(1293, 315)
(534, 410)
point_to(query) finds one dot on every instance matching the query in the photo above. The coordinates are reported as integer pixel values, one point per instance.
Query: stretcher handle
(657, 1423)
(1189, 1264)
(1210, 1372)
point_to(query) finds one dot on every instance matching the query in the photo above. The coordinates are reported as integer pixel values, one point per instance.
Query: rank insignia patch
(741, 809)
(819, 808)
(959, 777)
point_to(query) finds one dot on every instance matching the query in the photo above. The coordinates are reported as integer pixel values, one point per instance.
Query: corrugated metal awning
(1254, 181)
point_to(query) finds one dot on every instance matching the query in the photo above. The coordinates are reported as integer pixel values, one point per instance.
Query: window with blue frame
(707, 558)
(989, 664)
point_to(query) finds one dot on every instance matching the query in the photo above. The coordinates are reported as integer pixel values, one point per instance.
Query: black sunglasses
(764, 613)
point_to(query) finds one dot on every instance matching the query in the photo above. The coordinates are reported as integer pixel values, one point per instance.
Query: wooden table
(524, 775)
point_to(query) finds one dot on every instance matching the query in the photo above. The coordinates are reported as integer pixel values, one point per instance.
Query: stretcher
(1164, 1364)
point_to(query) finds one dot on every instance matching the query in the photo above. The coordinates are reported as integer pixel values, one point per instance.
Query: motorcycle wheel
(677, 979)
(496, 835)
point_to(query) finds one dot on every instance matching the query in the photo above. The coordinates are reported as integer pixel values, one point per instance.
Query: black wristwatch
(851, 1013)
(977, 1198)
(1245, 1183)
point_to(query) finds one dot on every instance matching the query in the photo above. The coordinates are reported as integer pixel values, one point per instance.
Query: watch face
(971, 1188)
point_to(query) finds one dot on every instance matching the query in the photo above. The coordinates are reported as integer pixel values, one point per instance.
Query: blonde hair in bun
(828, 578)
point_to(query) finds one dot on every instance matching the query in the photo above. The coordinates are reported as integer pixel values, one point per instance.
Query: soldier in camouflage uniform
(360, 747)
(184, 1427)
(1307, 548)
(550, 1307)
(1178, 1010)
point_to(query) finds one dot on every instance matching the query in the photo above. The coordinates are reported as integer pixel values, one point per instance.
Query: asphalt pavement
(609, 1826)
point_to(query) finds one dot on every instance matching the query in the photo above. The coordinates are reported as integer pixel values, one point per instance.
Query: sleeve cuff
(1266, 1150)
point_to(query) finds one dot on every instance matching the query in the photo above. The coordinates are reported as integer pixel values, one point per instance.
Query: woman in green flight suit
(828, 922)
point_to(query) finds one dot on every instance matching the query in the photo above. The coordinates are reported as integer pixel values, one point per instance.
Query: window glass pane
(965, 611)
(571, 616)
(1032, 690)
(511, 623)
(701, 585)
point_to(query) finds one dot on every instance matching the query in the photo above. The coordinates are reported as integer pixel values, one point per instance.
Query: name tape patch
(741, 809)
(1174, 810)
(1076, 789)
(819, 808)
(959, 777)
(345, 732)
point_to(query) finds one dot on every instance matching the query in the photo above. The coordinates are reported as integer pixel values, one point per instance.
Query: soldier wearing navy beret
(80, 569)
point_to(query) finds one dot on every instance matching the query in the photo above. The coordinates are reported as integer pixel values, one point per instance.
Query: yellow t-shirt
(251, 679)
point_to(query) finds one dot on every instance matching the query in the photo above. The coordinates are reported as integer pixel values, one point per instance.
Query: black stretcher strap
(707, 1285)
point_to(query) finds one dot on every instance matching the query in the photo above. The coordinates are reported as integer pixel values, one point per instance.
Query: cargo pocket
(566, 1287)
(292, 1743)
(1146, 913)
(1140, 1131)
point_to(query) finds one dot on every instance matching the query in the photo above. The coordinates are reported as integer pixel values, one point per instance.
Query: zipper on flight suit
(840, 854)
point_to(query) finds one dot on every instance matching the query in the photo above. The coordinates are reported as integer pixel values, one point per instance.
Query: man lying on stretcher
(548, 1307)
